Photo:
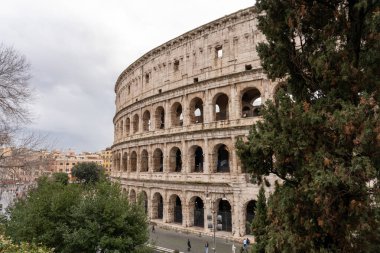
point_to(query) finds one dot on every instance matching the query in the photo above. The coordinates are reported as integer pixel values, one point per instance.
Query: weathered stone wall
(179, 111)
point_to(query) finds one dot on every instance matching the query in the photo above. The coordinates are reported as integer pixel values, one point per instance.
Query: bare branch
(15, 92)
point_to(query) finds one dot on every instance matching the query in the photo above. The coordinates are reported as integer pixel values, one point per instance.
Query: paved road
(177, 240)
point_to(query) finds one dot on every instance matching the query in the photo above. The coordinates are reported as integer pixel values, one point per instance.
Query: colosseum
(179, 110)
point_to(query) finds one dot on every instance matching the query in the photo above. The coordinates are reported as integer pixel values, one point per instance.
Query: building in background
(19, 169)
(106, 156)
(24, 165)
(65, 161)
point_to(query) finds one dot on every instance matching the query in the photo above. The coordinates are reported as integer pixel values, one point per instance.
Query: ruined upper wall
(224, 46)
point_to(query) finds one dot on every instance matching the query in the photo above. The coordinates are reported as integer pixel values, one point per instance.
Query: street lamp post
(213, 216)
(215, 223)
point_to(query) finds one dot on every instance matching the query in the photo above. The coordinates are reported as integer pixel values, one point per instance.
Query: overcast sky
(78, 48)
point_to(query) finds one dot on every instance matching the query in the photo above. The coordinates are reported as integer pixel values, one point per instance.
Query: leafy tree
(320, 135)
(7, 246)
(79, 218)
(88, 172)
(259, 223)
(61, 177)
(45, 215)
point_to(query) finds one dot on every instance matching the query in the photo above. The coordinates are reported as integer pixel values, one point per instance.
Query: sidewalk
(168, 241)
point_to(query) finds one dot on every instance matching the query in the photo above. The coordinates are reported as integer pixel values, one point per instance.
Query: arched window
(160, 118)
(125, 162)
(146, 121)
(133, 159)
(222, 158)
(127, 126)
(196, 159)
(251, 103)
(221, 107)
(158, 160)
(144, 161)
(196, 111)
(135, 123)
(175, 161)
(176, 114)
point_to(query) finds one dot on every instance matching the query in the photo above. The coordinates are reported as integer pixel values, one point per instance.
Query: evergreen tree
(259, 223)
(321, 134)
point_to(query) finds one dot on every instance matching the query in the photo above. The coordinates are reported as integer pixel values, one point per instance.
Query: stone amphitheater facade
(179, 110)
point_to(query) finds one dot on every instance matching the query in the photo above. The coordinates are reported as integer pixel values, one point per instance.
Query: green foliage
(321, 134)
(7, 246)
(88, 172)
(61, 177)
(259, 223)
(79, 218)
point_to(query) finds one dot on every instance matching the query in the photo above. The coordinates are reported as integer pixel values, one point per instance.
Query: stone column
(167, 116)
(185, 212)
(208, 108)
(206, 158)
(185, 159)
(186, 110)
(234, 107)
(150, 160)
(138, 163)
(233, 155)
(165, 162)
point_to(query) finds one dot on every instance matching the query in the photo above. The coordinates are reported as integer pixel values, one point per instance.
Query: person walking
(188, 245)
(206, 247)
(244, 244)
(153, 229)
(233, 248)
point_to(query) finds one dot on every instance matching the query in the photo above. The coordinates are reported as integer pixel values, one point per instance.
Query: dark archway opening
(198, 212)
(225, 211)
(251, 103)
(223, 159)
(178, 161)
(133, 161)
(160, 118)
(178, 210)
(250, 215)
(221, 107)
(158, 160)
(198, 158)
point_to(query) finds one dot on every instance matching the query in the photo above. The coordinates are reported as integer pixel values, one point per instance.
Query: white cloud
(78, 48)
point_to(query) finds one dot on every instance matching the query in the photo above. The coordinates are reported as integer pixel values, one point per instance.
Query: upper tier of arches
(192, 110)
(221, 47)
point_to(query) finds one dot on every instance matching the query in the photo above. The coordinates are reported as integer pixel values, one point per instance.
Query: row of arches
(155, 161)
(174, 209)
(154, 120)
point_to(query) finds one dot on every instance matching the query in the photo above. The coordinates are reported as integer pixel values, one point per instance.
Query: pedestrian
(206, 247)
(244, 244)
(248, 242)
(233, 247)
(153, 229)
(188, 245)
